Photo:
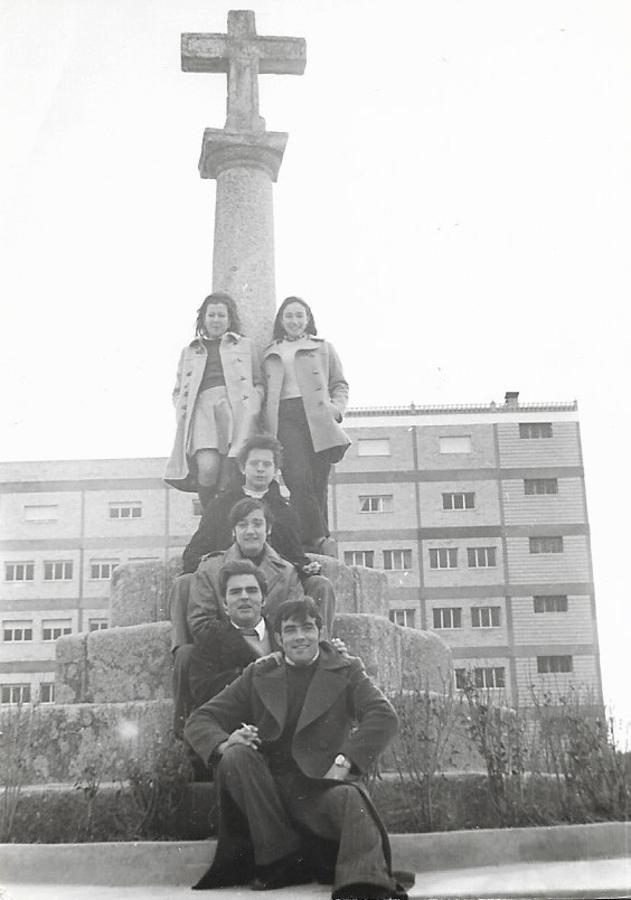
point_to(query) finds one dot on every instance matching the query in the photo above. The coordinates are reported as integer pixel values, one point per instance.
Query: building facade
(477, 515)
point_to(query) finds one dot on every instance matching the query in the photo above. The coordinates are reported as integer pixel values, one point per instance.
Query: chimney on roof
(511, 399)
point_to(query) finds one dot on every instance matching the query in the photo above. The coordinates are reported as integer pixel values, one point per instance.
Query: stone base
(134, 663)
(83, 743)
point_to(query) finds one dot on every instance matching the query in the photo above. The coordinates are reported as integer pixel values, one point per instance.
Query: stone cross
(243, 55)
(244, 159)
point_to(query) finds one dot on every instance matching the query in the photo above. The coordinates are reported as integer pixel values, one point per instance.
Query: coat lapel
(271, 687)
(328, 683)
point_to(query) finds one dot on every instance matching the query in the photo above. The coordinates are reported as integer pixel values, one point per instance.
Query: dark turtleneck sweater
(278, 753)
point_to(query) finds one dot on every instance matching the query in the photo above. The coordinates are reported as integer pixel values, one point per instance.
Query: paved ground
(602, 878)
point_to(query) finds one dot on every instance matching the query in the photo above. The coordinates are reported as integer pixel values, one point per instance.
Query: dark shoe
(291, 869)
(221, 877)
(362, 890)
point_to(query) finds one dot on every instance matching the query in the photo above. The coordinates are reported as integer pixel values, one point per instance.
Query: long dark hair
(279, 332)
(234, 323)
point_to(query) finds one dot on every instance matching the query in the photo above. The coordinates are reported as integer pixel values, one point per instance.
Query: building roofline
(414, 410)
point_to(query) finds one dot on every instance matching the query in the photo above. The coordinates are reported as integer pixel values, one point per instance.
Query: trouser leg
(298, 469)
(341, 813)
(321, 472)
(181, 649)
(244, 775)
(182, 698)
(321, 590)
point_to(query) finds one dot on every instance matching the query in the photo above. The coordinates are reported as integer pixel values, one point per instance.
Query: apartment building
(476, 514)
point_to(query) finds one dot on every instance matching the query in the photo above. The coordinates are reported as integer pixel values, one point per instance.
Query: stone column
(245, 165)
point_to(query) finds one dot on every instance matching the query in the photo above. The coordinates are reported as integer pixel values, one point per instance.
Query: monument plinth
(245, 160)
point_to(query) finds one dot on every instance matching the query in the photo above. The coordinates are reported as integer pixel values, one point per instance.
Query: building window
(489, 677)
(15, 693)
(397, 560)
(375, 503)
(447, 617)
(550, 604)
(44, 512)
(485, 616)
(58, 570)
(97, 624)
(364, 558)
(143, 559)
(455, 444)
(461, 679)
(481, 557)
(373, 447)
(197, 508)
(551, 665)
(54, 628)
(14, 631)
(443, 558)
(405, 617)
(535, 430)
(47, 692)
(131, 510)
(101, 569)
(546, 544)
(19, 571)
(541, 486)
(459, 500)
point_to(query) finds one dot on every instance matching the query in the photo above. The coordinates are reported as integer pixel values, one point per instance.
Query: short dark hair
(278, 332)
(243, 508)
(301, 610)
(240, 567)
(234, 323)
(261, 442)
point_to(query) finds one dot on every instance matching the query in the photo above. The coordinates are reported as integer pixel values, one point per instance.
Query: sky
(455, 197)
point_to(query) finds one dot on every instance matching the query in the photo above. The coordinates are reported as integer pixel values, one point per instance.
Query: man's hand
(311, 568)
(246, 734)
(339, 773)
(339, 645)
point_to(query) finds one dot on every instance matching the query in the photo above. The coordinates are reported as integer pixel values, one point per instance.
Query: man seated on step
(290, 738)
(259, 462)
(194, 603)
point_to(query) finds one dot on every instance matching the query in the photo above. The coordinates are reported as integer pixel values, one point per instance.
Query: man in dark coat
(290, 737)
(232, 644)
(259, 462)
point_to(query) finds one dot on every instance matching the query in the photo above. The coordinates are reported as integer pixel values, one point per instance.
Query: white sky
(455, 196)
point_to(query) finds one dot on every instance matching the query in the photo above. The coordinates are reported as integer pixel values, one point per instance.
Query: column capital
(222, 150)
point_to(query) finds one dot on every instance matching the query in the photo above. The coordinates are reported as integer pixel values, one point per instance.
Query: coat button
(188, 374)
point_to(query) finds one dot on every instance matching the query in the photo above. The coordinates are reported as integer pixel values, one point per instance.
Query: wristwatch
(343, 761)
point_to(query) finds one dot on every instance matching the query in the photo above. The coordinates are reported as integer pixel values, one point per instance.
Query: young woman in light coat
(218, 395)
(306, 397)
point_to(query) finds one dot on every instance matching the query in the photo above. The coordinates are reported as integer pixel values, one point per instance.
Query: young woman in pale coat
(306, 396)
(218, 395)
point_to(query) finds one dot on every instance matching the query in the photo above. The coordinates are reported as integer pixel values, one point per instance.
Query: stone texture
(371, 591)
(71, 668)
(77, 742)
(343, 581)
(140, 592)
(395, 657)
(132, 663)
(243, 257)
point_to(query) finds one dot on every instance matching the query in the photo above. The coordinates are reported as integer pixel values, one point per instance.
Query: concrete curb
(165, 863)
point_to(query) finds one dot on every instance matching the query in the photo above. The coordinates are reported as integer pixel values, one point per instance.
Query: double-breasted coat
(244, 386)
(343, 712)
(339, 696)
(323, 387)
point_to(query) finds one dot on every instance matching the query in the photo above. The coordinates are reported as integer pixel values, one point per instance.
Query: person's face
(243, 601)
(299, 640)
(259, 469)
(251, 532)
(294, 319)
(216, 319)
